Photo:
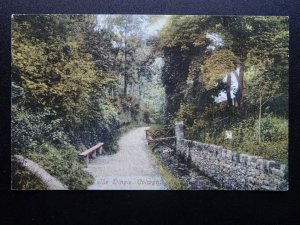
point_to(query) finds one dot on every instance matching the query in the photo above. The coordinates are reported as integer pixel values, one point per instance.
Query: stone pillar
(179, 134)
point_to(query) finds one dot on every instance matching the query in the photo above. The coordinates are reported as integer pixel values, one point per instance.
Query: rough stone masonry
(234, 171)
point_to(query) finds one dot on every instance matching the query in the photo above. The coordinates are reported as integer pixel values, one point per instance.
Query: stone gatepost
(179, 135)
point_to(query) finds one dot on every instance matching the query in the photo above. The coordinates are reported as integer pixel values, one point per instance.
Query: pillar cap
(179, 123)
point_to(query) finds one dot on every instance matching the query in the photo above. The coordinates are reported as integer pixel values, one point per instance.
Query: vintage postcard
(149, 102)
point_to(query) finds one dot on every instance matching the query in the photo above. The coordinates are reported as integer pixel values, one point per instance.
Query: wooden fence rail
(157, 138)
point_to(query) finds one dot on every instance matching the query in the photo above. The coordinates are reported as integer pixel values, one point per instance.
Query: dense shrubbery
(199, 125)
(146, 115)
(30, 127)
(274, 138)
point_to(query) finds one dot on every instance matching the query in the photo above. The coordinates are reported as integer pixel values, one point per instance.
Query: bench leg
(97, 152)
(94, 154)
(87, 160)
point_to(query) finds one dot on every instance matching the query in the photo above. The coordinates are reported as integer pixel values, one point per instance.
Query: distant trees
(133, 53)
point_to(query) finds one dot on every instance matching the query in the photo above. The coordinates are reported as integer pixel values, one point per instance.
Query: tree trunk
(240, 91)
(132, 89)
(228, 89)
(125, 56)
(259, 119)
(125, 84)
(139, 84)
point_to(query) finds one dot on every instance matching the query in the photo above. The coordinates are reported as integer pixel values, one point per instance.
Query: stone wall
(234, 171)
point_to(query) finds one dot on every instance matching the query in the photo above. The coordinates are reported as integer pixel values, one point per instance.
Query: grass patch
(173, 182)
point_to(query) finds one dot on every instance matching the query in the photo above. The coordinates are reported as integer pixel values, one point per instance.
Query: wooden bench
(92, 152)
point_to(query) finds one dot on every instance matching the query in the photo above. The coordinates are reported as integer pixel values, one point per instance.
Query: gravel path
(131, 168)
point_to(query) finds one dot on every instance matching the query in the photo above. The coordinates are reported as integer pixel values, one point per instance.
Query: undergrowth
(273, 144)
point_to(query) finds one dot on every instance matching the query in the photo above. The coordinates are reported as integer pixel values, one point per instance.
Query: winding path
(131, 168)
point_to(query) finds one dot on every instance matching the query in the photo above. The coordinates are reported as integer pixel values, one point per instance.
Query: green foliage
(219, 63)
(174, 74)
(30, 128)
(182, 40)
(274, 129)
(185, 32)
(146, 115)
(63, 164)
(214, 119)
(161, 131)
(23, 179)
(274, 143)
(128, 105)
(187, 113)
(153, 95)
(55, 75)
